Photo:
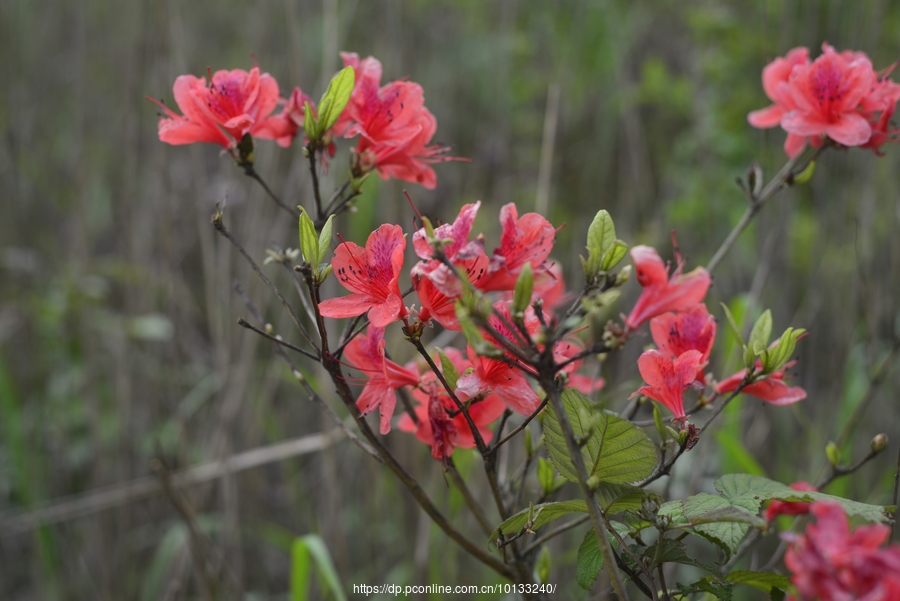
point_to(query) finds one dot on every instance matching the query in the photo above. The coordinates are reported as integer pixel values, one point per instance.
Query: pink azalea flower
(394, 126)
(691, 330)
(508, 383)
(668, 378)
(372, 274)
(827, 94)
(663, 293)
(441, 424)
(235, 103)
(772, 390)
(366, 353)
(777, 508)
(775, 78)
(830, 562)
(284, 126)
(526, 239)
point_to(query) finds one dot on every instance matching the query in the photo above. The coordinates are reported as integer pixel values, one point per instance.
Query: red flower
(827, 94)
(436, 427)
(832, 563)
(394, 126)
(435, 283)
(775, 78)
(777, 508)
(284, 126)
(366, 353)
(667, 379)
(526, 239)
(508, 383)
(661, 292)
(883, 97)
(235, 103)
(772, 390)
(692, 330)
(372, 275)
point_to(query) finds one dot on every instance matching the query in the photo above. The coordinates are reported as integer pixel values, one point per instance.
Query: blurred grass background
(118, 340)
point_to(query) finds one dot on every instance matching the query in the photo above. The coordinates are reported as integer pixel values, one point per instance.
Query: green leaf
(448, 369)
(614, 255)
(658, 422)
(325, 239)
(733, 326)
(616, 498)
(807, 173)
(544, 514)
(335, 99)
(547, 476)
(522, 293)
(312, 547)
(614, 451)
(737, 454)
(309, 123)
(542, 565)
(745, 489)
(723, 521)
(762, 331)
(309, 241)
(764, 581)
(589, 561)
(674, 551)
(600, 239)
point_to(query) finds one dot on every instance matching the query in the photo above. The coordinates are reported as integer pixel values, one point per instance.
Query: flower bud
(833, 453)
(624, 275)
(269, 329)
(879, 443)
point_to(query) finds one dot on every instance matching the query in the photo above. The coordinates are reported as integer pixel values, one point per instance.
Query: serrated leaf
(762, 331)
(545, 513)
(589, 561)
(733, 326)
(614, 451)
(335, 99)
(616, 498)
(325, 238)
(674, 551)
(547, 476)
(720, 519)
(614, 255)
(756, 489)
(601, 237)
(448, 369)
(309, 241)
(764, 581)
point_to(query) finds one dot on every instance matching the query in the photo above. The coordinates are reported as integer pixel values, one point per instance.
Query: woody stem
(782, 179)
(311, 155)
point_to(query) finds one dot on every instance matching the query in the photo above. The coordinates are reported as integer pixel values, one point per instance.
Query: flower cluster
(684, 333)
(832, 563)
(839, 95)
(394, 127)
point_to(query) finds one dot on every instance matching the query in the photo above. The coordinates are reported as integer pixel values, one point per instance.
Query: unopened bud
(624, 275)
(833, 453)
(879, 443)
(269, 329)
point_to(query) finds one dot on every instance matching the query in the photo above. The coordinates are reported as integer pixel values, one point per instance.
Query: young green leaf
(309, 241)
(733, 326)
(325, 238)
(335, 99)
(522, 293)
(544, 514)
(614, 255)
(542, 565)
(762, 331)
(589, 561)
(310, 127)
(658, 422)
(600, 239)
(448, 369)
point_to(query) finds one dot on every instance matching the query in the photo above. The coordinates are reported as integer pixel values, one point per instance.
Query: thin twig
(251, 172)
(311, 155)
(276, 339)
(220, 227)
(468, 497)
(521, 426)
(554, 533)
(896, 491)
